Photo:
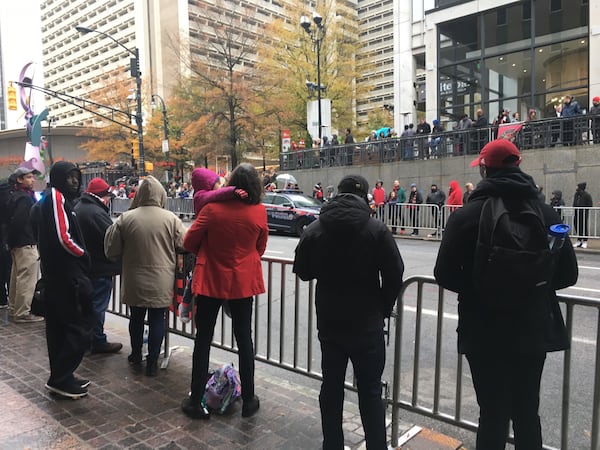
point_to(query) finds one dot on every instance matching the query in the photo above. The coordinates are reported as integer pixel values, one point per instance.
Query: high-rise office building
(435, 58)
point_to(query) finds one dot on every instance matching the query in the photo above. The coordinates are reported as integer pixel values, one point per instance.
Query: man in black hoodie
(582, 201)
(68, 292)
(505, 348)
(348, 252)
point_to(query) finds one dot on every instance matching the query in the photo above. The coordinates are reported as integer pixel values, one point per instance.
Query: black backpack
(6, 193)
(513, 262)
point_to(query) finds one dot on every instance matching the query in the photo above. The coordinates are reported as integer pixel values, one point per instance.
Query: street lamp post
(51, 124)
(135, 72)
(316, 36)
(165, 142)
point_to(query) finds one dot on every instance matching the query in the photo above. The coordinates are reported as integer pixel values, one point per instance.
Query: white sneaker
(577, 244)
(584, 244)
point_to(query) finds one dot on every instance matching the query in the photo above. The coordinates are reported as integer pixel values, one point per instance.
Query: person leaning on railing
(359, 271)
(595, 121)
(228, 269)
(505, 344)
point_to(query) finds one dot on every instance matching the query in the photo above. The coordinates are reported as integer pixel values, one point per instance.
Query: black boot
(194, 409)
(151, 368)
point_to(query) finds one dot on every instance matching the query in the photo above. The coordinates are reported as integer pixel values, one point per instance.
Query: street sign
(165, 146)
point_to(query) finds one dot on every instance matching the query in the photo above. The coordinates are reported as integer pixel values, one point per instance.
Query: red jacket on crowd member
(379, 194)
(454, 195)
(219, 271)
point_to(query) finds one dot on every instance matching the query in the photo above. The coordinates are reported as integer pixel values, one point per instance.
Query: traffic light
(149, 166)
(12, 97)
(136, 150)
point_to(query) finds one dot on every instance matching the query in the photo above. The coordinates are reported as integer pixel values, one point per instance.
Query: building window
(555, 5)
(514, 69)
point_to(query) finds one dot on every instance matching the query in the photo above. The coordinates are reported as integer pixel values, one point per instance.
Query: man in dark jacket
(505, 348)
(436, 198)
(570, 110)
(23, 248)
(68, 291)
(582, 201)
(348, 252)
(94, 219)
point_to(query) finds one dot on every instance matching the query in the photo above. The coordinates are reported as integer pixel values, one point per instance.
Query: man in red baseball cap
(94, 218)
(498, 154)
(505, 345)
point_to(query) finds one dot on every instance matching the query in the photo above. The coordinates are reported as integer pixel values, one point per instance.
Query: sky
(20, 26)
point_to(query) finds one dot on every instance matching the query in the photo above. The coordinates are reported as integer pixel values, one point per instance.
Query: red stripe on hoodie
(61, 223)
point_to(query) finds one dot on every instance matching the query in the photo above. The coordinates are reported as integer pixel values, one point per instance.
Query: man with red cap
(94, 218)
(505, 347)
(595, 125)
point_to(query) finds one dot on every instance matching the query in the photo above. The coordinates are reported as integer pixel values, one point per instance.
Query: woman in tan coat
(146, 239)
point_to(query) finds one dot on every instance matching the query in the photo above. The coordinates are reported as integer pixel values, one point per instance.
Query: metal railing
(560, 131)
(285, 336)
(406, 218)
(447, 404)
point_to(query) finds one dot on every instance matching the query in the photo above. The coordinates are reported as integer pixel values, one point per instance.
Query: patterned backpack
(223, 389)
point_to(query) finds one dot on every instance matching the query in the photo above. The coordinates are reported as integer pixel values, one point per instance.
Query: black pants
(367, 353)
(68, 327)
(581, 223)
(206, 317)
(508, 388)
(414, 218)
(5, 264)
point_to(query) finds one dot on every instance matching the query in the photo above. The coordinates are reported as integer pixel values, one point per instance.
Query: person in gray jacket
(146, 240)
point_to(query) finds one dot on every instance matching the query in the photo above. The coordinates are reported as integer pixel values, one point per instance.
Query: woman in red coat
(228, 239)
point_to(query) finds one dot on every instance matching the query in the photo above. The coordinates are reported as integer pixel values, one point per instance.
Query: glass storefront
(522, 56)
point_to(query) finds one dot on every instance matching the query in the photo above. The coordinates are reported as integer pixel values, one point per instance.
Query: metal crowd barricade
(584, 222)
(429, 384)
(183, 207)
(447, 404)
(409, 217)
(119, 205)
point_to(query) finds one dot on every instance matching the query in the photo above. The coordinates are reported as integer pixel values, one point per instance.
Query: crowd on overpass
(467, 135)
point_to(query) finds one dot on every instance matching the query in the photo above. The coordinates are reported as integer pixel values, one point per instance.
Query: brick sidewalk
(129, 410)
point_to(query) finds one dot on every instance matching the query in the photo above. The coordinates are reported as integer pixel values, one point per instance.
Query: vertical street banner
(286, 140)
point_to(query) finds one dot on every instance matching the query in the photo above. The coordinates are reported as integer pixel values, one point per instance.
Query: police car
(290, 211)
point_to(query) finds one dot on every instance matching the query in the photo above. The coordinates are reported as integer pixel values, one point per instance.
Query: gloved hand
(185, 310)
(241, 194)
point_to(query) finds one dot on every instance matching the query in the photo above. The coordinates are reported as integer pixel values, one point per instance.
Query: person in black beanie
(582, 201)
(359, 271)
(68, 292)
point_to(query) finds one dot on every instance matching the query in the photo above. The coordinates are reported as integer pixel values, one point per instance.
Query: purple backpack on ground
(223, 389)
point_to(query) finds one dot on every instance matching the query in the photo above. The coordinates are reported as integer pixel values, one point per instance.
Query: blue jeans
(156, 330)
(102, 289)
(367, 353)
